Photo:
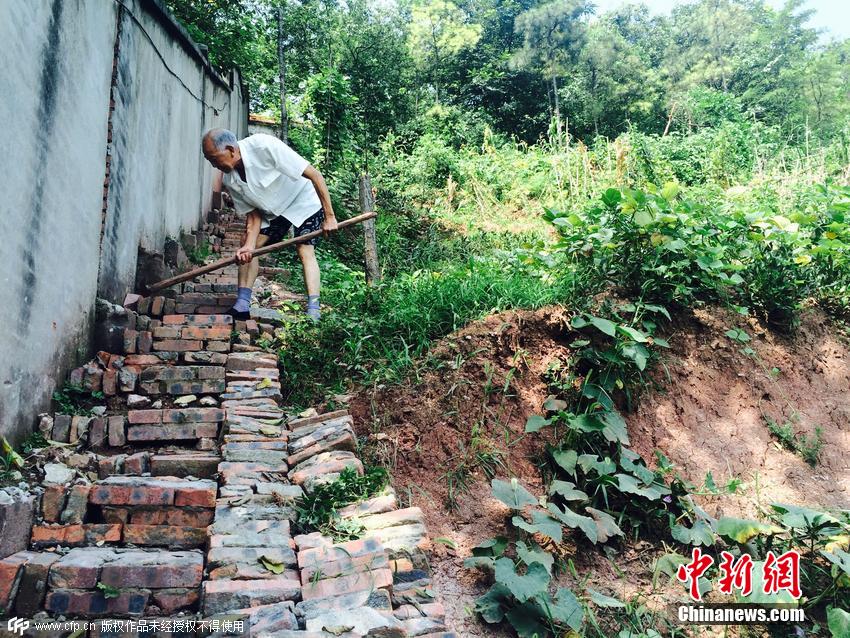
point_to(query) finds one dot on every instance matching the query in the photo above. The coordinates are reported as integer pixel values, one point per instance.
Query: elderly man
(277, 189)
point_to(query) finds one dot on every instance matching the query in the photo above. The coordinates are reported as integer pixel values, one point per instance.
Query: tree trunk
(370, 241)
(557, 107)
(281, 60)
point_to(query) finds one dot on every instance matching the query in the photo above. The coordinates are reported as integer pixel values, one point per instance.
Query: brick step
(141, 510)
(204, 303)
(221, 288)
(175, 424)
(182, 379)
(180, 464)
(148, 582)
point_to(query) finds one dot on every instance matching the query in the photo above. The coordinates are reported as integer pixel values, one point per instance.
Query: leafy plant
(317, 511)
(75, 400)
(808, 447)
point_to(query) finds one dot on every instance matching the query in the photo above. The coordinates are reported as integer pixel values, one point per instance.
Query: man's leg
(247, 276)
(312, 278)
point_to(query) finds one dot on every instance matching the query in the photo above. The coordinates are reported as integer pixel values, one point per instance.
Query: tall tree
(552, 36)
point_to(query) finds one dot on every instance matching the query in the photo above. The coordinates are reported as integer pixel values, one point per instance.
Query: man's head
(221, 150)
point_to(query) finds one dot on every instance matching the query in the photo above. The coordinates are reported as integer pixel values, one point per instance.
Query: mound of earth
(444, 432)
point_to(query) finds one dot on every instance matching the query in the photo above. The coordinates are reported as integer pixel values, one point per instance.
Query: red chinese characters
(782, 572)
(691, 572)
(736, 574)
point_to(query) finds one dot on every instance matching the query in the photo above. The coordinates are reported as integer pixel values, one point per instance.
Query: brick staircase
(181, 505)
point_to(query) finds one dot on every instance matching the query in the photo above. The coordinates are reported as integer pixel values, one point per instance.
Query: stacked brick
(136, 510)
(178, 424)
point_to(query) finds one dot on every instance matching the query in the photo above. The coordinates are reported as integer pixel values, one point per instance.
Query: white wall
(55, 84)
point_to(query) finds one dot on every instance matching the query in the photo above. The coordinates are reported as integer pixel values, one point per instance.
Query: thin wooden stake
(370, 240)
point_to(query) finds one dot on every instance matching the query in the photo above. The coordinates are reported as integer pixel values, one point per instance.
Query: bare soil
(470, 403)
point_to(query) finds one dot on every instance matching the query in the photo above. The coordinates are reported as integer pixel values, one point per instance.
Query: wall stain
(47, 102)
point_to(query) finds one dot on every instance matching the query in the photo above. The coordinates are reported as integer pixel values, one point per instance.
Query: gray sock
(313, 307)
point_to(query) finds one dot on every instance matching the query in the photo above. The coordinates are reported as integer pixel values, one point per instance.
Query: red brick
(143, 360)
(179, 516)
(137, 464)
(74, 511)
(107, 466)
(172, 432)
(33, 584)
(195, 496)
(167, 332)
(145, 342)
(97, 432)
(156, 306)
(103, 358)
(75, 535)
(110, 382)
(74, 602)
(137, 569)
(93, 380)
(79, 427)
(116, 514)
(165, 536)
(217, 333)
(172, 600)
(52, 502)
(178, 345)
(76, 376)
(130, 337)
(11, 569)
(116, 431)
(376, 579)
(193, 415)
(144, 416)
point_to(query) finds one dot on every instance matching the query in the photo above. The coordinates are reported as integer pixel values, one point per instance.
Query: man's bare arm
(321, 187)
(252, 231)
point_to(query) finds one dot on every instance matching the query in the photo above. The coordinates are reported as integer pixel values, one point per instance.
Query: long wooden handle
(226, 261)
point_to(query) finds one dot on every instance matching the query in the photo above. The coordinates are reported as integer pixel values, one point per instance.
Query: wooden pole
(370, 240)
(226, 261)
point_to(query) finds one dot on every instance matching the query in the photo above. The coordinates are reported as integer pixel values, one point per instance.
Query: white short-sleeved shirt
(276, 186)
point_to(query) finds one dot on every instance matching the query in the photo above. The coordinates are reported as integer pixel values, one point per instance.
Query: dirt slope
(707, 416)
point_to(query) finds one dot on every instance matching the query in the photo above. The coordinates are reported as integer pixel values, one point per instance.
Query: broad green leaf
(567, 491)
(566, 609)
(670, 190)
(573, 520)
(667, 565)
(803, 517)
(611, 197)
(578, 322)
(491, 547)
(589, 462)
(522, 586)
(629, 484)
(541, 523)
(585, 423)
(839, 558)
(838, 621)
(633, 334)
(631, 462)
(601, 600)
(272, 565)
(606, 526)
(529, 555)
(473, 562)
(492, 605)
(615, 427)
(265, 383)
(699, 534)
(643, 217)
(593, 391)
(657, 309)
(638, 354)
(566, 460)
(526, 620)
(604, 325)
(536, 422)
(512, 494)
(742, 530)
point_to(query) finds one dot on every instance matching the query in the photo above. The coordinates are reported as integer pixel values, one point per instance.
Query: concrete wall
(58, 250)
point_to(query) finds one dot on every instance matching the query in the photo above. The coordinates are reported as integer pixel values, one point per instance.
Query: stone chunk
(222, 595)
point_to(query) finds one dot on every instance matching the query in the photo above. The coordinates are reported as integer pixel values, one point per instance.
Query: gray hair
(221, 138)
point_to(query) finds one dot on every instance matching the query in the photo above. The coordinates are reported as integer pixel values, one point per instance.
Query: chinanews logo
(18, 625)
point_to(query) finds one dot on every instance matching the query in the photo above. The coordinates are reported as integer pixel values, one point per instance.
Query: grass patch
(807, 447)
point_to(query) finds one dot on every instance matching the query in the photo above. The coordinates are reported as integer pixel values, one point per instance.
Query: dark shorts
(279, 227)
